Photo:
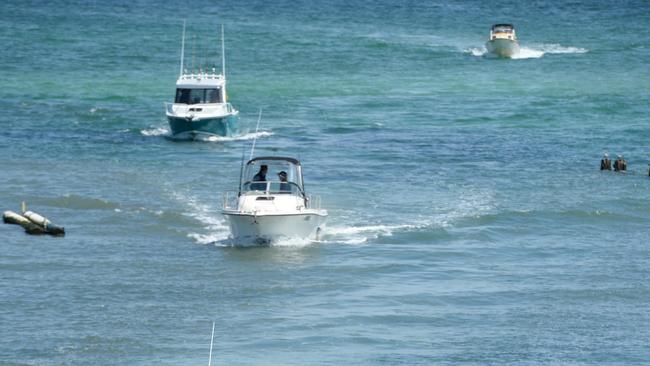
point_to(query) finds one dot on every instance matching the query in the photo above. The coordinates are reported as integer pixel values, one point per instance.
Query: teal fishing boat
(200, 108)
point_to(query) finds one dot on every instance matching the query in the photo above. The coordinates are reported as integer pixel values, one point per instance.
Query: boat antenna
(241, 168)
(223, 54)
(259, 118)
(211, 340)
(193, 51)
(182, 48)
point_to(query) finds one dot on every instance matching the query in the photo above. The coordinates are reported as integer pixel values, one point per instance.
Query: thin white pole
(259, 118)
(223, 54)
(211, 340)
(182, 49)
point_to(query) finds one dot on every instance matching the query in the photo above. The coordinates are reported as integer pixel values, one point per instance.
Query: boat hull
(266, 229)
(188, 128)
(503, 47)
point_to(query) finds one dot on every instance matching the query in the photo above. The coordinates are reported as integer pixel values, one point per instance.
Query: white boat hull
(269, 228)
(503, 47)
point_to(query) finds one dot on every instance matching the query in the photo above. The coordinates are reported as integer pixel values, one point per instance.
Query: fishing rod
(211, 341)
(259, 118)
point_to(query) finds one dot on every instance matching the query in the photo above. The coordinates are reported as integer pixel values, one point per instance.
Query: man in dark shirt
(605, 163)
(284, 185)
(620, 164)
(260, 177)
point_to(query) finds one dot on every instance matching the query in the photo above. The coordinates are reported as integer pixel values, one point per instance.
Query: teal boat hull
(187, 128)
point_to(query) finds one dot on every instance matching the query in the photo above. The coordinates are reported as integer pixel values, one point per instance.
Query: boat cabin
(202, 88)
(502, 31)
(272, 175)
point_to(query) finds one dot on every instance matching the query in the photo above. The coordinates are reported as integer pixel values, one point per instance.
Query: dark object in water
(33, 223)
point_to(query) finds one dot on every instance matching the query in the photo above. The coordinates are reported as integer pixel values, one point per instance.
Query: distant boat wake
(534, 51)
(165, 132)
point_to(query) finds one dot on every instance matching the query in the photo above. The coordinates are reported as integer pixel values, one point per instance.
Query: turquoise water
(469, 223)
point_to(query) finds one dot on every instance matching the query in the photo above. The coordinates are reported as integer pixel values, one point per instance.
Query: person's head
(619, 157)
(606, 156)
(283, 176)
(264, 169)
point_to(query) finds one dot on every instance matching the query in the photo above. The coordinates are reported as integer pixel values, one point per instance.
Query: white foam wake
(246, 136)
(362, 234)
(532, 51)
(215, 226)
(157, 131)
(164, 131)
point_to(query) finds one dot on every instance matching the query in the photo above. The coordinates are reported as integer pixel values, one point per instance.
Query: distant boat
(200, 107)
(272, 204)
(503, 41)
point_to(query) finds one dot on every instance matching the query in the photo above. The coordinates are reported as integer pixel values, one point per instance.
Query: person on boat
(284, 185)
(620, 165)
(260, 177)
(605, 163)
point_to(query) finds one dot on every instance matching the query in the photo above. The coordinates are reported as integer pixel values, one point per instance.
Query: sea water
(468, 220)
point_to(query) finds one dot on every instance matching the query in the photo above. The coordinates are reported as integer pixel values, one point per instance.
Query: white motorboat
(503, 41)
(200, 108)
(271, 204)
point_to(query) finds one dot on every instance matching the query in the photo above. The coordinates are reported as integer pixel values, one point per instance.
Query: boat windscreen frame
(291, 161)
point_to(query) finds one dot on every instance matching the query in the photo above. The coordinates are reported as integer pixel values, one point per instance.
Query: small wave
(362, 234)
(80, 202)
(246, 136)
(158, 131)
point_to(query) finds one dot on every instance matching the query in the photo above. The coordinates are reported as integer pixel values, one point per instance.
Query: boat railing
(175, 109)
(231, 198)
(230, 201)
(313, 201)
(202, 75)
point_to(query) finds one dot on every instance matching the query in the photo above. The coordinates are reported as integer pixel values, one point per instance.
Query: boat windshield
(502, 29)
(196, 96)
(274, 176)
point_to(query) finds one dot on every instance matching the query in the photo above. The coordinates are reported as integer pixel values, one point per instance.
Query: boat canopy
(254, 178)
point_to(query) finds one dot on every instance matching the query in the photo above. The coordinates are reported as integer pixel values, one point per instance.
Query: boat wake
(362, 234)
(214, 227)
(246, 136)
(157, 131)
(533, 51)
(165, 132)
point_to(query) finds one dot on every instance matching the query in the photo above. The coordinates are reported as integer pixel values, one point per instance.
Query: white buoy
(37, 219)
(32, 222)
(10, 217)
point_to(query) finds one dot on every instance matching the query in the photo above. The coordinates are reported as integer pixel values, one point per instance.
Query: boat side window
(197, 96)
(182, 96)
(213, 95)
